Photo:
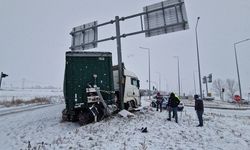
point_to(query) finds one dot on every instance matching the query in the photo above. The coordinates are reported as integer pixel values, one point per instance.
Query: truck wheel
(65, 115)
(129, 106)
(72, 118)
(83, 118)
(100, 109)
(133, 104)
(126, 106)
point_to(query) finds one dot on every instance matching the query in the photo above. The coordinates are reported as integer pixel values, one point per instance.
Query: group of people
(172, 106)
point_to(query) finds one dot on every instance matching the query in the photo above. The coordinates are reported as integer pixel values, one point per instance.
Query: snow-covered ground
(223, 129)
(27, 94)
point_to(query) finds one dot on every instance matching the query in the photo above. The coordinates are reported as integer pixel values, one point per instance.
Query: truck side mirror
(138, 83)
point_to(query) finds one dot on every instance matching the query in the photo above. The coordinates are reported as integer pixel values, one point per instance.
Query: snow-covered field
(223, 129)
(28, 94)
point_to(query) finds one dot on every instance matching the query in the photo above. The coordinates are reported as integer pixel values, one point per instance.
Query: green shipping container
(84, 69)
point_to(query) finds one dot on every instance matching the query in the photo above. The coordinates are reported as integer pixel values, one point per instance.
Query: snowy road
(223, 129)
(37, 126)
(8, 111)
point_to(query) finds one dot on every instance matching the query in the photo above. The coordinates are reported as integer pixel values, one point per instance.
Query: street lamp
(236, 60)
(148, 49)
(194, 83)
(179, 84)
(198, 57)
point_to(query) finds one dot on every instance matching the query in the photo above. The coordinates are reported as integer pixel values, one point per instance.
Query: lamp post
(179, 84)
(236, 60)
(194, 83)
(149, 86)
(198, 57)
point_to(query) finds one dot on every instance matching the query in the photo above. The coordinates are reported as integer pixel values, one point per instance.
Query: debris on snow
(125, 113)
(144, 130)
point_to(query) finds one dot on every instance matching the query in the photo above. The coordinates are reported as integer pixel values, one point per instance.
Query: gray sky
(34, 36)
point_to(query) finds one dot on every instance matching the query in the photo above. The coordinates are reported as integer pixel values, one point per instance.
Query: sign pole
(1, 79)
(119, 56)
(206, 86)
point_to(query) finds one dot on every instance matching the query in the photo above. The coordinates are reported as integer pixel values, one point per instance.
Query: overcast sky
(34, 36)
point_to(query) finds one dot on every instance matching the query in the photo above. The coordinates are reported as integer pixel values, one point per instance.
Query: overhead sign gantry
(160, 18)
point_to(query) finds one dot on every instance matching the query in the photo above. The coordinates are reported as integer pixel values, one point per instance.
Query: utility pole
(194, 83)
(179, 83)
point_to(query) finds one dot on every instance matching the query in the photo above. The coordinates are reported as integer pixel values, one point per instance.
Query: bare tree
(232, 88)
(217, 86)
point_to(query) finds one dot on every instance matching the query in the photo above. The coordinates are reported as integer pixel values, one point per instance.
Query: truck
(91, 87)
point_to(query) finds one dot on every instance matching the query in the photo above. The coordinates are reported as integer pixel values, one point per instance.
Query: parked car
(165, 102)
(180, 106)
(237, 98)
(208, 98)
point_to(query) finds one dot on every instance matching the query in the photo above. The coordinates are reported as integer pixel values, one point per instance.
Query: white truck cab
(131, 88)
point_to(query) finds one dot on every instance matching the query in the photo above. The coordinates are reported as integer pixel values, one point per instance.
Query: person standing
(199, 108)
(173, 102)
(159, 100)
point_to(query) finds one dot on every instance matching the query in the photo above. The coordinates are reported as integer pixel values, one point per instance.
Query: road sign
(3, 75)
(170, 17)
(84, 39)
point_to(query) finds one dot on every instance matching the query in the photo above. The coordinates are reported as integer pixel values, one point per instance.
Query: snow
(223, 129)
(28, 94)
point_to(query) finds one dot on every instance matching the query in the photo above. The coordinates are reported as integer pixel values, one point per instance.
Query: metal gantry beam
(184, 23)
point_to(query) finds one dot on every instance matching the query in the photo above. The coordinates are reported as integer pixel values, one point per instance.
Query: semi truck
(91, 87)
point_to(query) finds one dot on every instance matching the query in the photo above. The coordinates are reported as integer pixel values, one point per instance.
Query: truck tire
(73, 118)
(101, 111)
(129, 105)
(65, 115)
(83, 118)
(133, 103)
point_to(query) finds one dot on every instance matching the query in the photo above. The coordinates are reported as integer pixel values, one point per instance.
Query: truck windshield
(135, 82)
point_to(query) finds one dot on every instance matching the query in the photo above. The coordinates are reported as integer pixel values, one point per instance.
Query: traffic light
(222, 90)
(204, 80)
(3, 75)
(210, 78)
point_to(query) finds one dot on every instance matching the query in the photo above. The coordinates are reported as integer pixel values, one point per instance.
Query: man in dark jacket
(173, 102)
(199, 108)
